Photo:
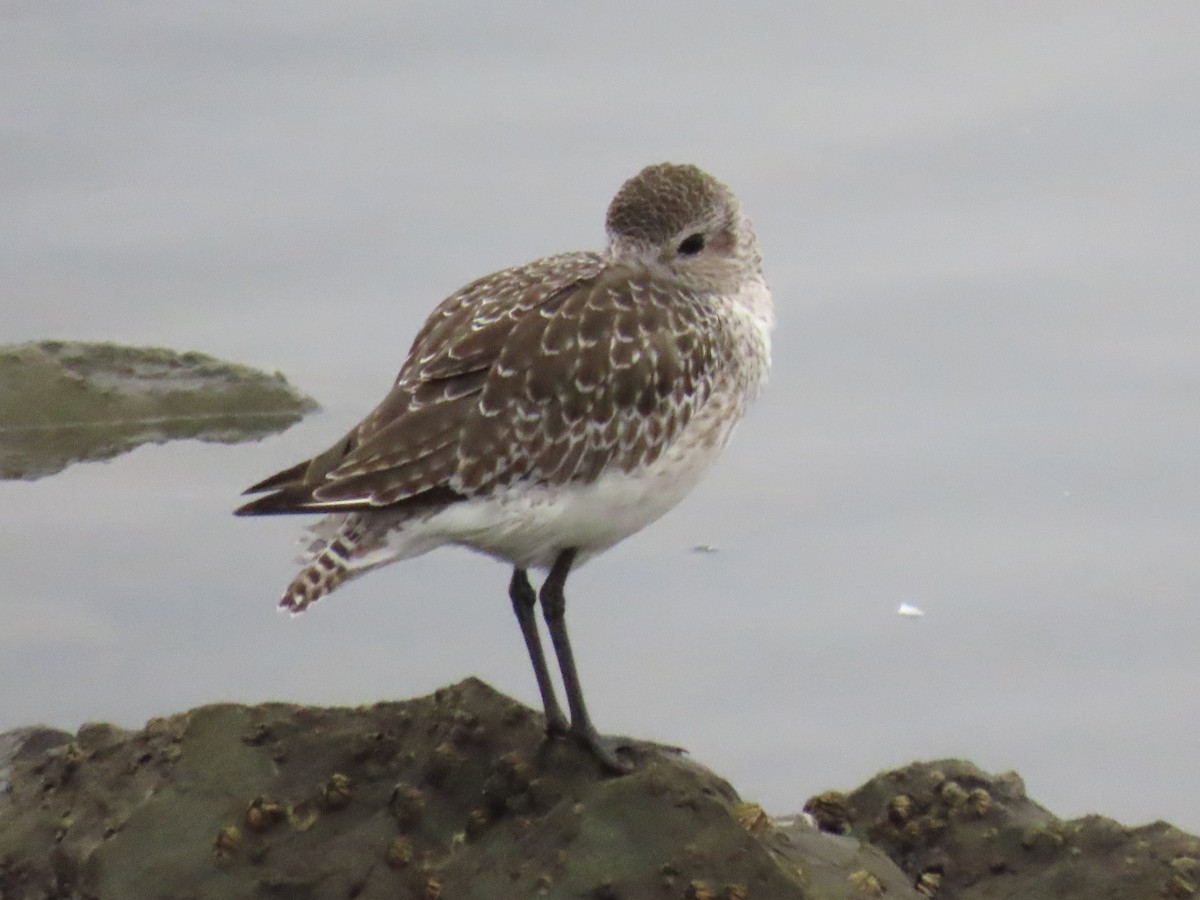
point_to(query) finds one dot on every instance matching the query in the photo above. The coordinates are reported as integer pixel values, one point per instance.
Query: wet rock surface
(66, 401)
(457, 795)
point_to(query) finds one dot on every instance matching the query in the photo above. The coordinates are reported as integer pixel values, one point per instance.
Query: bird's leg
(554, 607)
(521, 592)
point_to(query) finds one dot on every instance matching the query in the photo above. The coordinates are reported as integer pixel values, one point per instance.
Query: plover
(548, 411)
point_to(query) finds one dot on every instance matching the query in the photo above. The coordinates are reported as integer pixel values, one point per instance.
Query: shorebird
(548, 411)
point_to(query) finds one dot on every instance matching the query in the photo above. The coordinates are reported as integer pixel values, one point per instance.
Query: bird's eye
(691, 245)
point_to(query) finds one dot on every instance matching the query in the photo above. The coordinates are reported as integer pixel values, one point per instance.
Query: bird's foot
(556, 723)
(614, 753)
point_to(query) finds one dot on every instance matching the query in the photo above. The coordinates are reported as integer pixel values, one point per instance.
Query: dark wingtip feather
(279, 479)
(296, 500)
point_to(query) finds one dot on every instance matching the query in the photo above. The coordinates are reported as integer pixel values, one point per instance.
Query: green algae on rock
(68, 401)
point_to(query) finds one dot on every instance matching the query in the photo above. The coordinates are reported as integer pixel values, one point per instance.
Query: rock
(458, 795)
(962, 834)
(455, 795)
(65, 401)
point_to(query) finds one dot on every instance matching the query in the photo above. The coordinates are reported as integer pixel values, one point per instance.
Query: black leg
(520, 591)
(554, 607)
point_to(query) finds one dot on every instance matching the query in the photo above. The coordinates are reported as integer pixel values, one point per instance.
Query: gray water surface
(980, 225)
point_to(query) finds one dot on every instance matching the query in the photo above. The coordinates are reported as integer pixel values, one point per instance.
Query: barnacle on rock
(929, 883)
(400, 852)
(865, 884)
(301, 816)
(830, 810)
(979, 801)
(899, 809)
(407, 804)
(1042, 839)
(952, 794)
(228, 840)
(263, 814)
(335, 792)
(510, 778)
(73, 756)
(442, 762)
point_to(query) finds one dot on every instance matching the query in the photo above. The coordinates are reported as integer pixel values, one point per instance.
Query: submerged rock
(66, 401)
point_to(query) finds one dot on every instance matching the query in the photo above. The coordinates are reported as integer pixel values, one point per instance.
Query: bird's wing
(407, 446)
(603, 381)
(599, 374)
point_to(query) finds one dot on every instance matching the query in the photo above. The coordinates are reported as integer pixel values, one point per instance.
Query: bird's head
(681, 219)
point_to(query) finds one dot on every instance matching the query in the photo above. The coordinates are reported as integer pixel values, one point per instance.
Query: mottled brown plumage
(547, 411)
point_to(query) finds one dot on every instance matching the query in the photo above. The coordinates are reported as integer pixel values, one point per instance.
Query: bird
(548, 411)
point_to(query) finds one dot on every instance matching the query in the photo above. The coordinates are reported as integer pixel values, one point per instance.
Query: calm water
(981, 232)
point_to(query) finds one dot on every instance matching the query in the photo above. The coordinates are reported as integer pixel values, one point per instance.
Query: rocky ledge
(457, 795)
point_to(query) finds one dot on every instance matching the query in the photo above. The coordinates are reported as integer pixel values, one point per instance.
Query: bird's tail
(342, 546)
